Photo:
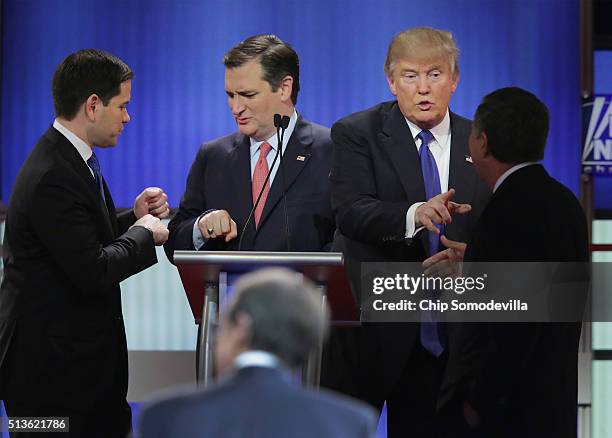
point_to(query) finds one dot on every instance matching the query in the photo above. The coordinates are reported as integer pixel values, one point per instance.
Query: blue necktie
(431, 336)
(94, 165)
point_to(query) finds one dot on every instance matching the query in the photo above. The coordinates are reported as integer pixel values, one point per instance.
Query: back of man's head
(277, 58)
(423, 44)
(285, 313)
(84, 73)
(516, 124)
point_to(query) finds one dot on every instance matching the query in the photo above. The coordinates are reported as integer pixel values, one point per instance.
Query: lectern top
(254, 258)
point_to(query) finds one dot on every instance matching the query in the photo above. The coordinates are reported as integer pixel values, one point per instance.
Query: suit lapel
(396, 140)
(110, 209)
(295, 158)
(70, 154)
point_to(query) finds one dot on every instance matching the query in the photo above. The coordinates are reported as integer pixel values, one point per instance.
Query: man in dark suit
(399, 168)
(273, 322)
(261, 80)
(517, 379)
(62, 341)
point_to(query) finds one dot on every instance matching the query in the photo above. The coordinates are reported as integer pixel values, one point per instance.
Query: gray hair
(286, 313)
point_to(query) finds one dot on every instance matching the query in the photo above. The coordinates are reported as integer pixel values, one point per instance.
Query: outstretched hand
(439, 210)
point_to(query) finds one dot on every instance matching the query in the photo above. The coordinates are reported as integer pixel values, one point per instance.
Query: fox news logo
(597, 128)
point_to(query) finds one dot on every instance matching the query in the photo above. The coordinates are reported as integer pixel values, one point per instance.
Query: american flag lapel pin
(469, 159)
(301, 158)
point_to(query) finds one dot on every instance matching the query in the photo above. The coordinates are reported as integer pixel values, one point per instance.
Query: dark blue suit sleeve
(192, 205)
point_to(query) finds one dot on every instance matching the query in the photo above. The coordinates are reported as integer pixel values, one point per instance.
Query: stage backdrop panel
(175, 48)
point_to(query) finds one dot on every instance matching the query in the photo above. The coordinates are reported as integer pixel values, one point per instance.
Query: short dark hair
(277, 60)
(84, 73)
(516, 123)
(286, 314)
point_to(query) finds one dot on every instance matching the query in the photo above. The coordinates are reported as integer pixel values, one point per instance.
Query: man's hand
(153, 224)
(152, 201)
(438, 210)
(447, 263)
(218, 223)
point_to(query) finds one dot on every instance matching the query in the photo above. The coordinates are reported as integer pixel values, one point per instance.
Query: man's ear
(242, 329)
(286, 88)
(454, 81)
(92, 105)
(391, 82)
(484, 143)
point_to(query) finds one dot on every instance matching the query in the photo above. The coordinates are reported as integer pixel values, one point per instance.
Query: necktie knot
(94, 164)
(265, 149)
(426, 137)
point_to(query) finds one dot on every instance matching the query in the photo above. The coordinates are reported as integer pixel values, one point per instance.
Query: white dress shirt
(82, 148)
(440, 148)
(272, 141)
(256, 358)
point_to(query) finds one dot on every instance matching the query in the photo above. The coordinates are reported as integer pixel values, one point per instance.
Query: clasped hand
(218, 223)
(149, 207)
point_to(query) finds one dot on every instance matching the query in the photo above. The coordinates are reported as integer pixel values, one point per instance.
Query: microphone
(284, 123)
(279, 122)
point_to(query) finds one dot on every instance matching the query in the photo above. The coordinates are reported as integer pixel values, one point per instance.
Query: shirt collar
(272, 140)
(440, 131)
(256, 358)
(82, 148)
(510, 171)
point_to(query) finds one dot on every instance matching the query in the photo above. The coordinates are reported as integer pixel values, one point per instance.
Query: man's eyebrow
(241, 92)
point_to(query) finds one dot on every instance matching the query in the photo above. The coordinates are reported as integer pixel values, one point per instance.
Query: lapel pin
(301, 158)
(469, 159)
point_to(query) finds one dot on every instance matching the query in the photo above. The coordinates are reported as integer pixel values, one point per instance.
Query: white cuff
(198, 239)
(410, 224)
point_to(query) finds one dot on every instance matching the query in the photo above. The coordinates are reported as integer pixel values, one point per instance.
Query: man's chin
(428, 122)
(246, 130)
(112, 142)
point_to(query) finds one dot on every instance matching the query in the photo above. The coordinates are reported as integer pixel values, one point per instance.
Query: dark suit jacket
(258, 402)
(523, 376)
(62, 340)
(220, 179)
(376, 176)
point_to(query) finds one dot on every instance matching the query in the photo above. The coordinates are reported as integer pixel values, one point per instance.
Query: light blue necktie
(431, 330)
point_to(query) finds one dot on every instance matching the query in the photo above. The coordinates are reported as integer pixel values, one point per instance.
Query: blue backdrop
(602, 84)
(175, 49)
